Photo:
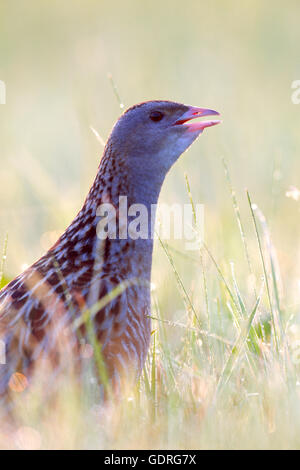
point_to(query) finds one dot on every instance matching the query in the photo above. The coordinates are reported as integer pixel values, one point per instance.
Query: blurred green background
(239, 58)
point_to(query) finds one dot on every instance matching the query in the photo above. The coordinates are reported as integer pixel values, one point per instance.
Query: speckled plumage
(80, 268)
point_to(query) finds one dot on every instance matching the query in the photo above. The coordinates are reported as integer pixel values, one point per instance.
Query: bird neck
(122, 254)
(121, 176)
(134, 193)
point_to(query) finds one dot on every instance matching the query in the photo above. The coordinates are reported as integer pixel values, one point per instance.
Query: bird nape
(92, 286)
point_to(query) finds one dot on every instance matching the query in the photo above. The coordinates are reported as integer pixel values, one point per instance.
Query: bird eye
(156, 116)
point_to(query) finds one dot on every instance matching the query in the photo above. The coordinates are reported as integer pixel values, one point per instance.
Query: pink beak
(193, 113)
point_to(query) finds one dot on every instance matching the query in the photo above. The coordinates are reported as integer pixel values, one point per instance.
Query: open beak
(193, 113)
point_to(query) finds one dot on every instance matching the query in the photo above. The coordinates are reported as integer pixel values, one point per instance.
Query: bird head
(152, 135)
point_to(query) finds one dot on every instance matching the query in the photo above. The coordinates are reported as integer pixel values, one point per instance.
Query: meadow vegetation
(223, 370)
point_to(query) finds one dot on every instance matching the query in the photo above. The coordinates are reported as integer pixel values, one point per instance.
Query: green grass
(226, 375)
(223, 368)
